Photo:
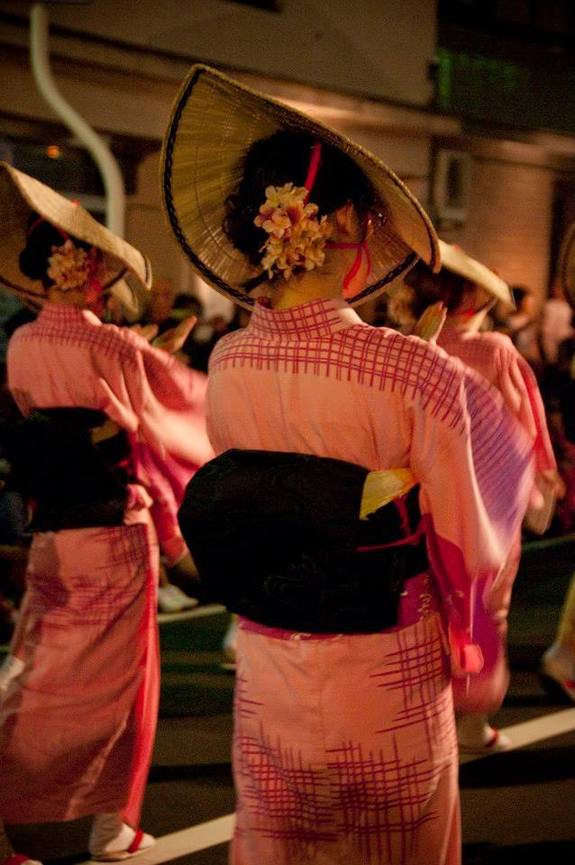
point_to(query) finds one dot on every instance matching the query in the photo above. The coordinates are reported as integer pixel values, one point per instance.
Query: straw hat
(453, 258)
(125, 270)
(214, 122)
(566, 267)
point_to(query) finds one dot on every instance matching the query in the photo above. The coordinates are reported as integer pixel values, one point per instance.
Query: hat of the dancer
(454, 259)
(213, 124)
(124, 271)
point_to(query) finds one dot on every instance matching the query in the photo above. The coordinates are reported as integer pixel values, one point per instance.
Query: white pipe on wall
(101, 153)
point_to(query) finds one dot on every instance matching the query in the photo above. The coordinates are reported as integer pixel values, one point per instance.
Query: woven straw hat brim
(20, 195)
(453, 258)
(214, 122)
(132, 295)
(566, 267)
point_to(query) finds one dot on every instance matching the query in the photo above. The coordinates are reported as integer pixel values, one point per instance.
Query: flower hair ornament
(296, 235)
(70, 267)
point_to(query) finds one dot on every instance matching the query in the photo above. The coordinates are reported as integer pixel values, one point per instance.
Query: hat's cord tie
(359, 245)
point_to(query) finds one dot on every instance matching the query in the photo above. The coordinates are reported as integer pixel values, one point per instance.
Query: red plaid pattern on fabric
(71, 326)
(490, 442)
(415, 667)
(315, 340)
(301, 323)
(87, 576)
(288, 798)
(494, 357)
(318, 781)
(320, 340)
(483, 351)
(380, 800)
(244, 707)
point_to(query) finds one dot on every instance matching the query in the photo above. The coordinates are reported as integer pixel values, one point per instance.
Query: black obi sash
(72, 482)
(277, 538)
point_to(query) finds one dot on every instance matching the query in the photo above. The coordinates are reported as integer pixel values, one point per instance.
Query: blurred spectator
(556, 326)
(561, 409)
(558, 662)
(9, 305)
(161, 300)
(523, 326)
(13, 537)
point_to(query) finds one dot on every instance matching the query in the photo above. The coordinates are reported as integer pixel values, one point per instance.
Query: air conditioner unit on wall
(451, 185)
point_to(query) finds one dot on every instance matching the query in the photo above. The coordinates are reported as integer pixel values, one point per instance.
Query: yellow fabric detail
(382, 487)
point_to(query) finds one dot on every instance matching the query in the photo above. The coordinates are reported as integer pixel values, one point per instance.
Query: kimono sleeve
(473, 462)
(521, 393)
(166, 399)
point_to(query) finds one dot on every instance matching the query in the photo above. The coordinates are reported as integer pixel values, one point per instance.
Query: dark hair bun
(283, 158)
(41, 237)
(431, 287)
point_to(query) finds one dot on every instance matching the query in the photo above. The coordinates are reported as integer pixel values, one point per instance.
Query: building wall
(511, 210)
(125, 99)
(125, 76)
(369, 46)
(509, 225)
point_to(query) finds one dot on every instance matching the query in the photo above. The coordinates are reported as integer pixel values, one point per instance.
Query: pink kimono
(494, 356)
(344, 745)
(77, 725)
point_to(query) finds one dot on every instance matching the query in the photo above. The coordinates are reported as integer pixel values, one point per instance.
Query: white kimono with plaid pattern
(344, 746)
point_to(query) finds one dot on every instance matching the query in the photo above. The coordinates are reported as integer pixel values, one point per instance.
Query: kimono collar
(61, 314)
(456, 328)
(314, 319)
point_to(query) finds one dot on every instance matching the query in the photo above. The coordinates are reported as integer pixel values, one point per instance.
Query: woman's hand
(428, 326)
(554, 483)
(147, 331)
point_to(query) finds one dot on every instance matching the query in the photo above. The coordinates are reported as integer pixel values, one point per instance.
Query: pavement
(517, 806)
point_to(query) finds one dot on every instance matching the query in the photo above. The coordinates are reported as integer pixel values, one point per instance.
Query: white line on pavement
(219, 831)
(529, 732)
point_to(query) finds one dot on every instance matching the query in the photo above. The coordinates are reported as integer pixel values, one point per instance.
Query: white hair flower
(296, 236)
(69, 266)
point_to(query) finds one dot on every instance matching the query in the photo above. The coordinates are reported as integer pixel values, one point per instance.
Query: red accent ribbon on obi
(313, 169)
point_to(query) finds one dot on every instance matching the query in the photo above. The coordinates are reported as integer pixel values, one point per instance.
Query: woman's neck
(326, 283)
(67, 298)
(304, 289)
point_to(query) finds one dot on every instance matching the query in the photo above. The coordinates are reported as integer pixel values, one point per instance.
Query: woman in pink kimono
(468, 290)
(344, 742)
(78, 708)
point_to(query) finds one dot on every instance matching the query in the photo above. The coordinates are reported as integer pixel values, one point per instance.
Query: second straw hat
(214, 122)
(21, 196)
(453, 258)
